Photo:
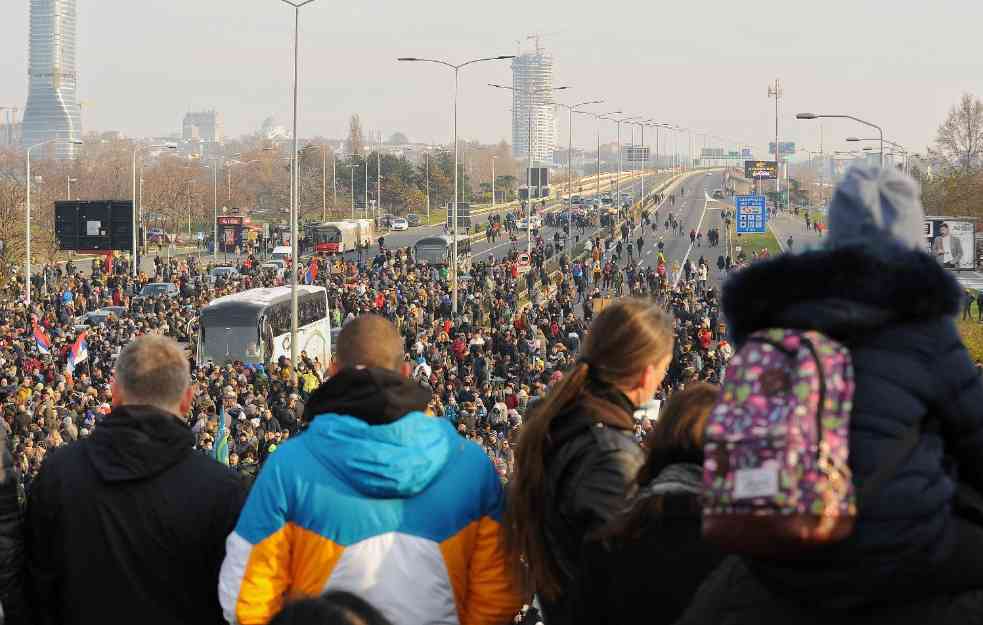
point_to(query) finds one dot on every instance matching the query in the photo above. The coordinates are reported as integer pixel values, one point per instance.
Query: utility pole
(775, 91)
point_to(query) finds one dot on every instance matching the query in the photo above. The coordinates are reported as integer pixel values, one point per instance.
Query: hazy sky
(707, 65)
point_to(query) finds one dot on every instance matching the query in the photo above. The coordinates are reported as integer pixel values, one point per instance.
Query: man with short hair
(128, 525)
(375, 497)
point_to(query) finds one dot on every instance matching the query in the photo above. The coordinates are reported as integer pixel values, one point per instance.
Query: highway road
(482, 249)
(694, 212)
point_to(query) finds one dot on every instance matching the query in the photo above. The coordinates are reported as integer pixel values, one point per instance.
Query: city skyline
(667, 62)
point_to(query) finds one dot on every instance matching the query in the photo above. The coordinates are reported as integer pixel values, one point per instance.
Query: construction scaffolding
(533, 118)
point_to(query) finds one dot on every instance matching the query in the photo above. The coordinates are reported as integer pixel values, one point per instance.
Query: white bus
(254, 326)
(333, 237)
(437, 250)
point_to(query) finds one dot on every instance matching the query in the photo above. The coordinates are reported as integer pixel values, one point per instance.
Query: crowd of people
(587, 410)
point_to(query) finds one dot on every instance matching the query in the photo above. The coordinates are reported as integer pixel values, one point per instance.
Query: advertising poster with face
(951, 241)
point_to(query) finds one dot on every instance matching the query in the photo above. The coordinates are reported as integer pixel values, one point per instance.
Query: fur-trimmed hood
(842, 292)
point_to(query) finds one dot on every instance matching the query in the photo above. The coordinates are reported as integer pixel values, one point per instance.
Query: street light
(572, 108)
(597, 133)
(856, 119)
(457, 69)
(293, 201)
(70, 181)
(140, 148)
(532, 92)
(27, 276)
(900, 147)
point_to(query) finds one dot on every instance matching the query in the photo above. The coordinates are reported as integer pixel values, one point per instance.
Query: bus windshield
(327, 234)
(433, 254)
(227, 336)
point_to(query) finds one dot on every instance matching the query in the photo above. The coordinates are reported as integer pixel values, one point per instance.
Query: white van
(281, 252)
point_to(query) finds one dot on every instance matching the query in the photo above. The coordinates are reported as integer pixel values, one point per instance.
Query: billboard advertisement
(539, 176)
(752, 214)
(761, 170)
(951, 240)
(787, 148)
(635, 154)
(97, 226)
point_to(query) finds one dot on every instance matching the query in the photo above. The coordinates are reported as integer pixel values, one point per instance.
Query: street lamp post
(571, 109)
(597, 133)
(428, 188)
(70, 181)
(532, 92)
(135, 270)
(457, 70)
(856, 119)
(900, 147)
(493, 181)
(27, 242)
(293, 200)
(353, 166)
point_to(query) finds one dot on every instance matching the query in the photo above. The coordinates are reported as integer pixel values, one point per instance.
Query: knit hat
(876, 207)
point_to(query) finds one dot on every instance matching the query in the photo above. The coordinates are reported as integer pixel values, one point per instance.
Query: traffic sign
(752, 214)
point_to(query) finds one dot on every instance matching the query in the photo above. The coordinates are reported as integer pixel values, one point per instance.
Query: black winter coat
(648, 569)
(11, 542)
(894, 311)
(129, 526)
(734, 596)
(589, 469)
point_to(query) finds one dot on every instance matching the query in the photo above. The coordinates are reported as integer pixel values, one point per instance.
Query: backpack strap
(899, 454)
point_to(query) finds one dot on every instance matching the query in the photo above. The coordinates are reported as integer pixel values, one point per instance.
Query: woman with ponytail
(577, 457)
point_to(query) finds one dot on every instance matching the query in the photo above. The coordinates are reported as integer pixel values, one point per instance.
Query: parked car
(156, 289)
(119, 311)
(274, 268)
(385, 221)
(398, 223)
(413, 220)
(93, 318)
(226, 273)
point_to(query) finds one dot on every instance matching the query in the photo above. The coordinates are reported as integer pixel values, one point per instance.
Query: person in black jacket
(647, 563)
(577, 456)
(129, 525)
(11, 541)
(874, 289)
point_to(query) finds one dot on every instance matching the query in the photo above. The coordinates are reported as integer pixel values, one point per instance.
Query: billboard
(98, 226)
(787, 148)
(463, 214)
(538, 176)
(951, 240)
(761, 170)
(752, 214)
(635, 153)
(229, 232)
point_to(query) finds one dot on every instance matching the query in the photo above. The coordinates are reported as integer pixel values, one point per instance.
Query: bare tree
(959, 140)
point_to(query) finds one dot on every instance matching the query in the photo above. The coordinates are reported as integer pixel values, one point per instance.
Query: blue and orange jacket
(404, 513)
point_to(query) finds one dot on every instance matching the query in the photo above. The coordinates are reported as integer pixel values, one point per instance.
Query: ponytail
(524, 541)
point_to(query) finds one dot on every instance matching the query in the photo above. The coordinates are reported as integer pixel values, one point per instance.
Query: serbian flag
(79, 352)
(42, 339)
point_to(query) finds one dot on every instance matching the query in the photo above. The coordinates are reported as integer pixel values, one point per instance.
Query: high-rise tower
(532, 84)
(52, 110)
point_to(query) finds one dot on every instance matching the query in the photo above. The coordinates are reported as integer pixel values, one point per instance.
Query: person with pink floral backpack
(846, 452)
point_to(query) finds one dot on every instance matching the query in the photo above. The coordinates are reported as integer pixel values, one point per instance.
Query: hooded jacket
(377, 498)
(128, 525)
(893, 309)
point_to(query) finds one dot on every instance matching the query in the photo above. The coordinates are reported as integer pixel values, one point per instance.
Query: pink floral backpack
(775, 473)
